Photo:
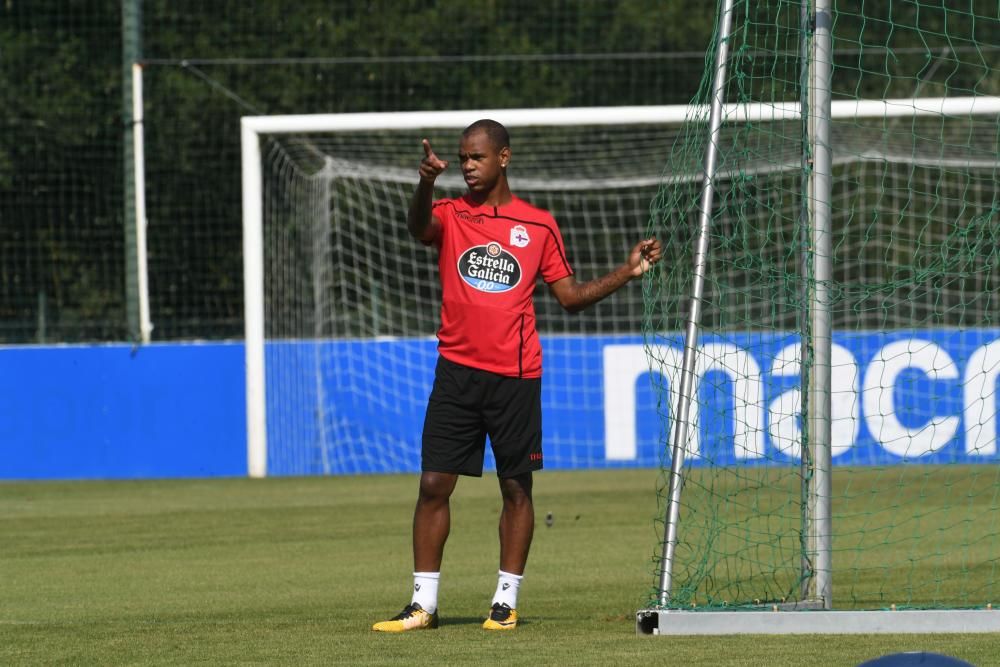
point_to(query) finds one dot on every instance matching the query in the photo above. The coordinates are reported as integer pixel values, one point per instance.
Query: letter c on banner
(980, 399)
(880, 391)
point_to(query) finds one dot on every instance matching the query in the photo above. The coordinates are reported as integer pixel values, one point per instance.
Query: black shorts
(468, 404)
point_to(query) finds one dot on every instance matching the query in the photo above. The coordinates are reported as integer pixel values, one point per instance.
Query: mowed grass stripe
(294, 571)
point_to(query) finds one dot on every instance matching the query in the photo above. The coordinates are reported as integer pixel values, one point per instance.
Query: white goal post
(253, 128)
(309, 140)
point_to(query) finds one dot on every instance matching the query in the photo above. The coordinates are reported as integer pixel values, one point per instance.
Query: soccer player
(492, 247)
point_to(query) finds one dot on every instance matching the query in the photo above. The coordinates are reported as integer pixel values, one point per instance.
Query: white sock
(425, 590)
(507, 585)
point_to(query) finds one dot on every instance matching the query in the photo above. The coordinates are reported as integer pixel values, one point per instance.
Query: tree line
(207, 64)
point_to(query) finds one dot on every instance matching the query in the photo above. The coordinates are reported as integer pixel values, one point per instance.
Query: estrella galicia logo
(489, 268)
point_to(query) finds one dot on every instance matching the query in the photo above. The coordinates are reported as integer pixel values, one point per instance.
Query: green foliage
(61, 122)
(900, 49)
(60, 171)
(61, 141)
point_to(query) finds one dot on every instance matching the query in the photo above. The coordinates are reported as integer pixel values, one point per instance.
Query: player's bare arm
(574, 296)
(420, 220)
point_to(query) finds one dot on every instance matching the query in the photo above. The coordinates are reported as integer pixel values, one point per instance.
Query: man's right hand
(420, 219)
(431, 166)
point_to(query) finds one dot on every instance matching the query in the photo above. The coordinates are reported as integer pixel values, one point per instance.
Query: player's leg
(514, 420)
(431, 525)
(517, 526)
(517, 523)
(453, 443)
(432, 520)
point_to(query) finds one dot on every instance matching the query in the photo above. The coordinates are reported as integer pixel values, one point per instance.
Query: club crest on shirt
(519, 236)
(489, 268)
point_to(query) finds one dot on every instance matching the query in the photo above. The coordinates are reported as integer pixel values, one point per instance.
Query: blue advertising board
(114, 411)
(914, 396)
(111, 411)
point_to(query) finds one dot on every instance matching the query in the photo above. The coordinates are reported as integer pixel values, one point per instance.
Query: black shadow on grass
(462, 620)
(473, 620)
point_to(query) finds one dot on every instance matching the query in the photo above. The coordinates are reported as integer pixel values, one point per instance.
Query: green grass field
(294, 571)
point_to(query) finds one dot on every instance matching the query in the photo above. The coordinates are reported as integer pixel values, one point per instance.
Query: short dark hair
(495, 131)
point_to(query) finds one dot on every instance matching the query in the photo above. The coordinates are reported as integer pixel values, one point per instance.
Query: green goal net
(914, 307)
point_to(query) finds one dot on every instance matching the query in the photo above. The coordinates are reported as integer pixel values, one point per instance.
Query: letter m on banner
(625, 364)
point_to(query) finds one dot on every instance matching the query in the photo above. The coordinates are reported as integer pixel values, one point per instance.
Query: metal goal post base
(778, 622)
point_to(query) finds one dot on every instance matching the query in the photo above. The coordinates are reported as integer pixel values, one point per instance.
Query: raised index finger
(427, 149)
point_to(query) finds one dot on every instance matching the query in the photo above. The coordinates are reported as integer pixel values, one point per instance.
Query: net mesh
(352, 302)
(61, 241)
(916, 273)
(65, 240)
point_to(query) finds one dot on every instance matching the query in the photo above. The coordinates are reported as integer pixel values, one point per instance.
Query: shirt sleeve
(554, 266)
(443, 213)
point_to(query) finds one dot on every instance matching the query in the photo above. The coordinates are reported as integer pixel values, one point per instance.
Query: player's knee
(516, 491)
(435, 487)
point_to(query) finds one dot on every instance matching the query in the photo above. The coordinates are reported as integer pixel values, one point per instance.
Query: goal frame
(253, 127)
(814, 613)
(660, 621)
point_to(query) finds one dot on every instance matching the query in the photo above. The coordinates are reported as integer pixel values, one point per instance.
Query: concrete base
(779, 622)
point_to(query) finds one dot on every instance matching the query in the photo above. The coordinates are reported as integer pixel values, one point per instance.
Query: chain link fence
(63, 268)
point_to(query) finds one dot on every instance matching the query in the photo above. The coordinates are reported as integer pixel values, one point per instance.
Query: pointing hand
(431, 166)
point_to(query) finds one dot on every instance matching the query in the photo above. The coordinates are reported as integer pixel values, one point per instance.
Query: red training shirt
(489, 260)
